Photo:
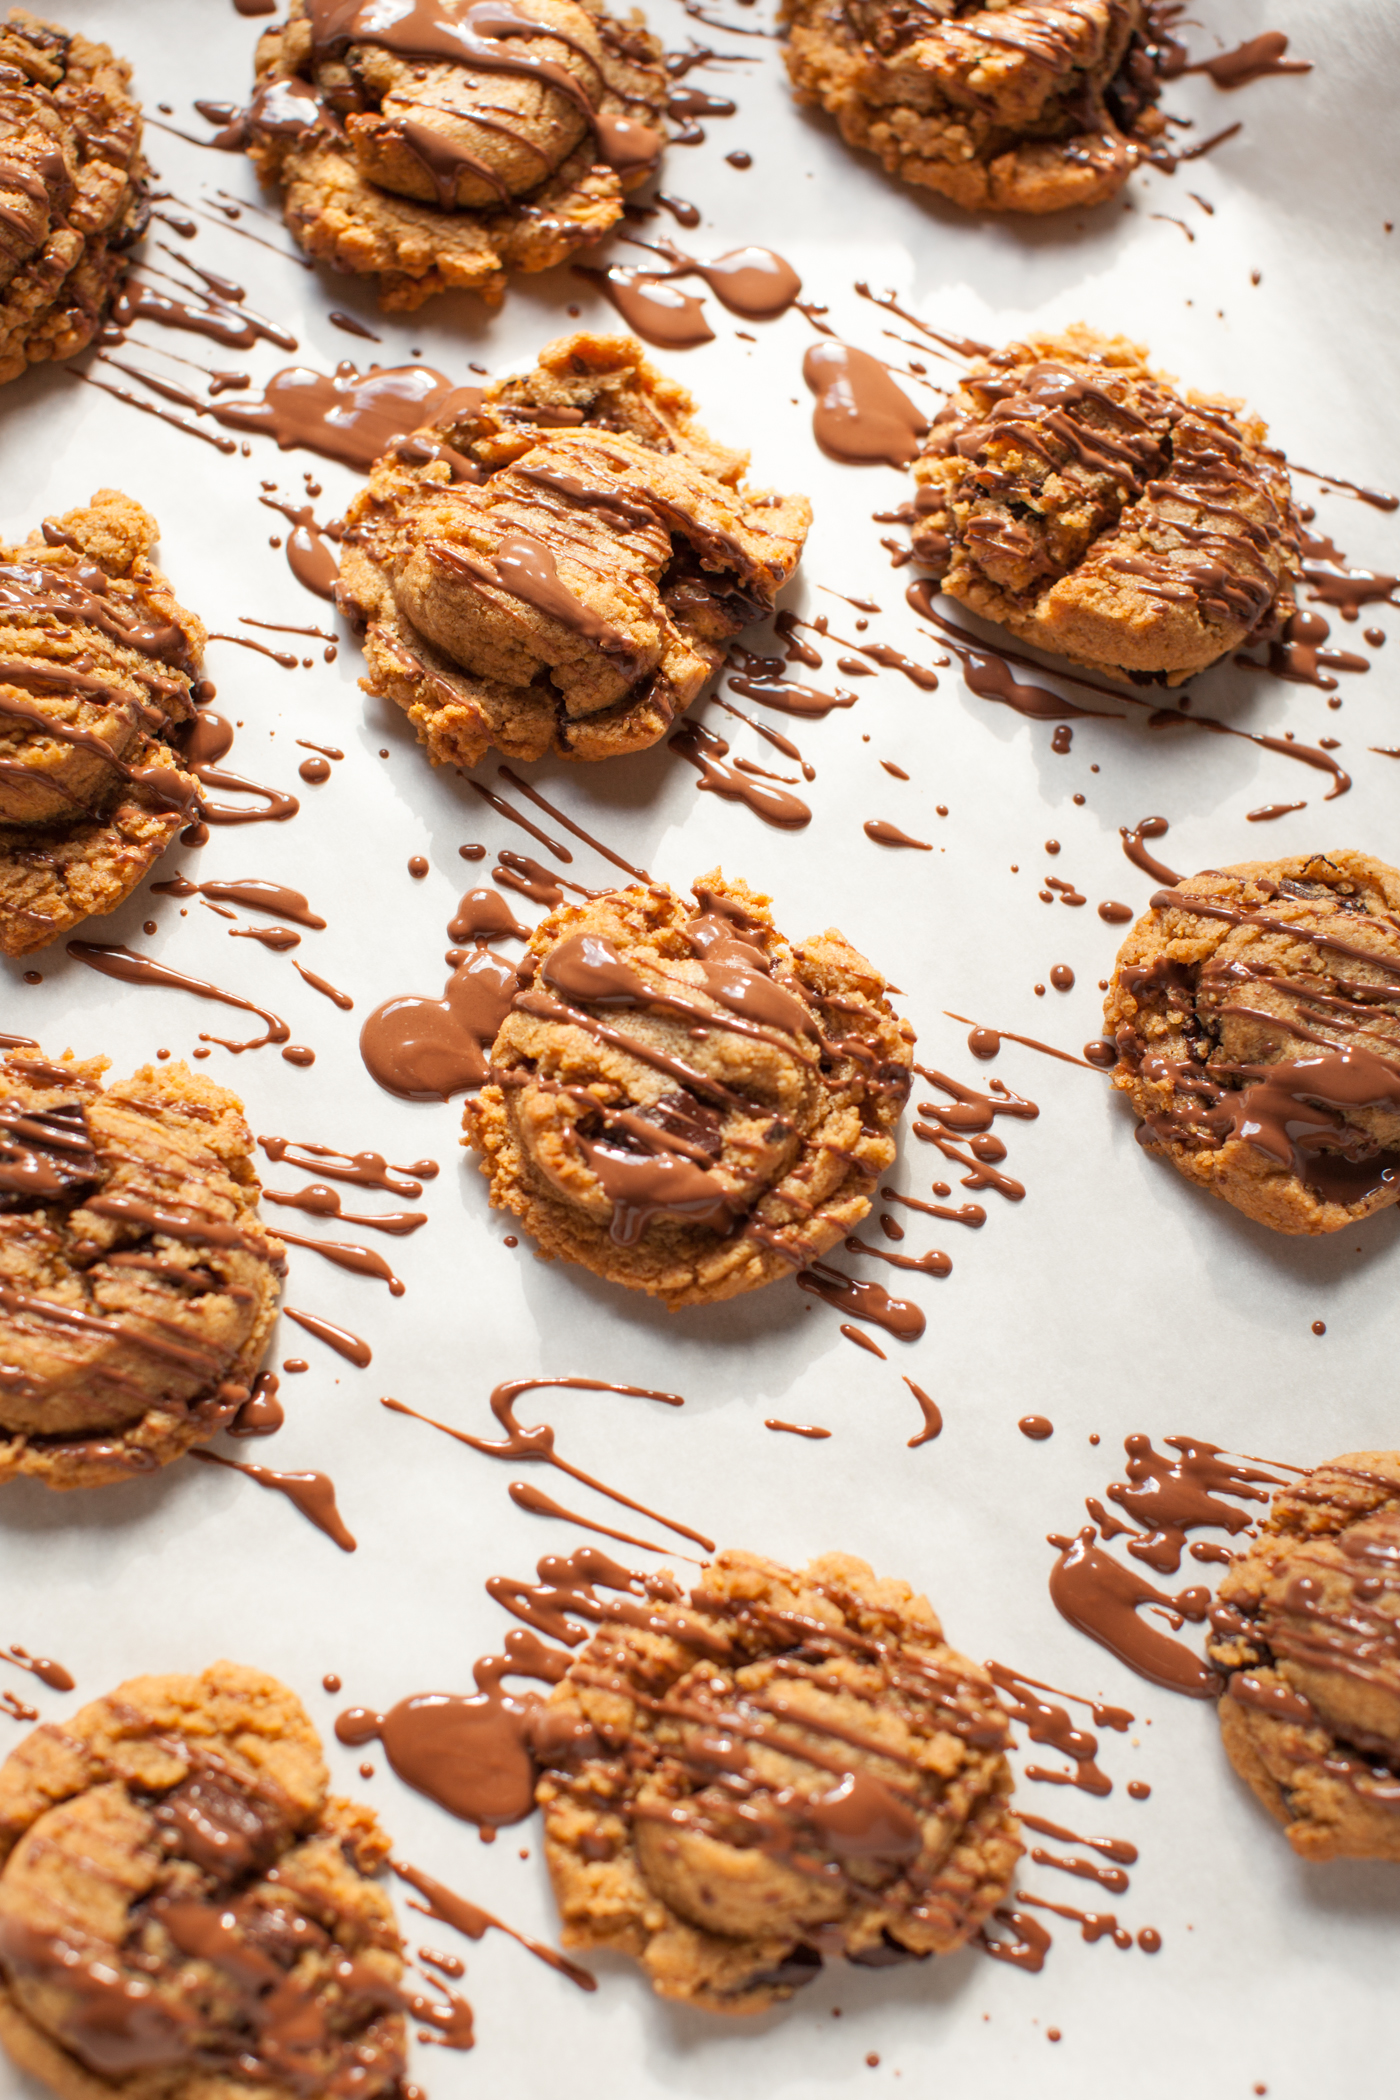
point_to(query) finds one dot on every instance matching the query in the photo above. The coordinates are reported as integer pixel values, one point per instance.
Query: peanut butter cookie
(138, 1285)
(690, 1162)
(440, 148)
(184, 1912)
(1029, 106)
(1308, 1624)
(779, 1767)
(98, 667)
(72, 188)
(1073, 495)
(1256, 1011)
(559, 562)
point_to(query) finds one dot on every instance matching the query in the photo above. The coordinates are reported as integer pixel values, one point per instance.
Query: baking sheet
(1113, 1299)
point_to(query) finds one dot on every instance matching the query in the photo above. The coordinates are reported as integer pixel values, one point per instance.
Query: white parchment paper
(1114, 1298)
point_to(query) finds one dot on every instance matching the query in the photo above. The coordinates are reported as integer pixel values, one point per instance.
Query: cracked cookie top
(1256, 1012)
(1032, 106)
(183, 1909)
(98, 665)
(1075, 496)
(72, 188)
(684, 1101)
(454, 144)
(560, 561)
(779, 1766)
(1307, 1622)
(138, 1284)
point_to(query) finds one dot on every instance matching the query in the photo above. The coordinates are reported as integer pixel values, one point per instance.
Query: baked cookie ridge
(1079, 498)
(560, 560)
(99, 675)
(1307, 1624)
(439, 149)
(777, 1767)
(138, 1284)
(1256, 1014)
(186, 1911)
(694, 1163)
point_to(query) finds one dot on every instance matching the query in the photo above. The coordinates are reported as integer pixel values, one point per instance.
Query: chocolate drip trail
(538, 1444)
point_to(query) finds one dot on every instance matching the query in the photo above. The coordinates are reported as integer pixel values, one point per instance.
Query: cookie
(72, 188)
(685, 1102)
(559, 562)
(98, 670)
(1023, 107)
(1308, 1624)
(185, 1914)
(444, 149)
(778, 1767)
(138, 1285)
(1256, 1013)
(1075, 496)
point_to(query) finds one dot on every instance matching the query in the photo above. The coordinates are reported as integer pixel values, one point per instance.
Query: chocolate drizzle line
(452, 1909)
(338, 1338)
(312, 1493)
(1047, 1722)
(538, 1443)
(119, 962)
(1039, 701)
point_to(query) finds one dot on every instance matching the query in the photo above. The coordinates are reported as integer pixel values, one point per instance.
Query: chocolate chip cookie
(1256, 1013)
(185, 1912)
(685, 1102)
(560, 561)
(779, 1767)
(1308, 1624)
(72, 188)
(138, 1285)
(1075, 496)
(1024, 107)
(99, 666)
(440, 148)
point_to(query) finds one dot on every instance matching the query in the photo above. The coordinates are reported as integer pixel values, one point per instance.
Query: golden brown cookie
(98, 664)
(1256, 1011)
(1308, 1624)
(184, 1912)
(440, 149)
(1075, 496)
(1028, 106)
(685, 1102)
(779, 1767)
(138, 1284)
(559, 563)
(72, 188)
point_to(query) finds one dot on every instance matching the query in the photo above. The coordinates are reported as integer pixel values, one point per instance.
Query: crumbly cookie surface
(690, 1165)
(1308, 1624)
(778, 1767)
(98, 663)
(560, 561)
(1075, 496)
(450, 152)
(138, 1284)
(184, 1912)
(1255, 1014)
(72, 188)
(1022, 107)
